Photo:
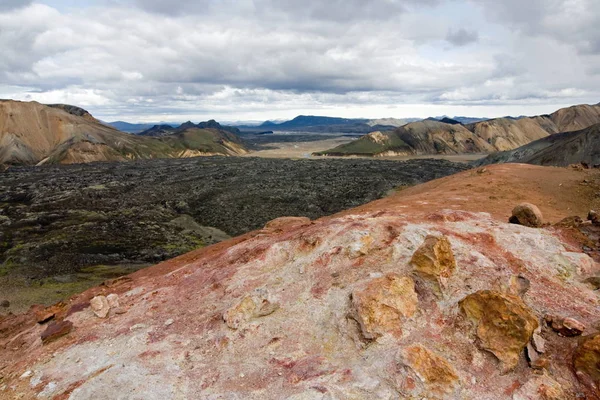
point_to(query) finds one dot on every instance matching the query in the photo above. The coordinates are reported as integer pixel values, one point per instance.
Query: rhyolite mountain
(560, 149)
(33, 133)
(500, 134)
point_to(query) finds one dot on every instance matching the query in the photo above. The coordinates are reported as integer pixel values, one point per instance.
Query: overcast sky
(154, 60)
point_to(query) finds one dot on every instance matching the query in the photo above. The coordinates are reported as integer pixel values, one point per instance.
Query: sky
(253, 60)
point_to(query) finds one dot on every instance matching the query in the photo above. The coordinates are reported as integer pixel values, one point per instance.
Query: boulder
(565, 326)
(434, 260)
(4, 303)
(594, 217)
(586, 361)
(381, 304)
(504, 324)
(100, 306)
(527, 214)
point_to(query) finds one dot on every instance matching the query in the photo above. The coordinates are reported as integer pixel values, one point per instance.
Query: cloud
(462, 37)
(134, 57)
(12, 4)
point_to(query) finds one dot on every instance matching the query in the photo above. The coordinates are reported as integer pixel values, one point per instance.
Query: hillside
(500, 134)
(33, 133)
(428, 294)
(561, 149)
(423, 137)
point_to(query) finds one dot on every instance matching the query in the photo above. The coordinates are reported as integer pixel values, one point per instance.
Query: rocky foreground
(400, 298)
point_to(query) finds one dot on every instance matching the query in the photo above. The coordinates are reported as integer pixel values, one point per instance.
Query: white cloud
(142, 59)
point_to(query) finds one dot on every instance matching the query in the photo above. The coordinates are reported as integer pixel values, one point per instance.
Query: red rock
(56, 330)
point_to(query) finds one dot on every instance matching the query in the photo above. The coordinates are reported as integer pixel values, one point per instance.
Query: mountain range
(451, 137)
(33, 133)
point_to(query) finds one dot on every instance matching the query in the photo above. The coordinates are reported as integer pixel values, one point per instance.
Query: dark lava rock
(56, 330)
(5, 303)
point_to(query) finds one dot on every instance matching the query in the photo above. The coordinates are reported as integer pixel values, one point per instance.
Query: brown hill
(32, 133)
(561, 149)
(437, 301)
(500, 134)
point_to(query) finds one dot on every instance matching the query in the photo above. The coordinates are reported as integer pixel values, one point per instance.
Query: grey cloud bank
(153, 60)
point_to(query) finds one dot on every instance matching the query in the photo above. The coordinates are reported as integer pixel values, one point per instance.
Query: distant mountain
(128, 127)
(560, 149)
(305, 121)
(319, 124)
(449, 137)
(165, 130)
(33, 133)
(462, 120)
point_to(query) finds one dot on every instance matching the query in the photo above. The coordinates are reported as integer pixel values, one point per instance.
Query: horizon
(142, 61)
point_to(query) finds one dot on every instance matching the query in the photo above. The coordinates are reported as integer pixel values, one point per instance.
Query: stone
(381, 304)
(570, 222)
(56, 330)
(434, 260)
(538, 343)
(527, 214)
(594, 217)
(593, 282)
(100, 306)
(169, 322)
(565, 326)
(504, 324)
(433, 370)
(4, 303)
(586, 361)
(248, 308)
(113, 300)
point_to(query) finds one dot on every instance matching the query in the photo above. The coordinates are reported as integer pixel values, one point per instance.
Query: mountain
(319, 124)
(423, 137)
(437, 137)
(561, 149)
(165, 130)
(33, 133)
(305, 121)
(427, 294)
(128, 127)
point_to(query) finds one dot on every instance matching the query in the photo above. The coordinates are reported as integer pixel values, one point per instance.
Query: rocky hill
(437, 137)
(561, 149)
(421, 295)
(33, 133)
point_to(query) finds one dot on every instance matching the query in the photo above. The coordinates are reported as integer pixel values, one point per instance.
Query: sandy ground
(305, 150)
(497, 189)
